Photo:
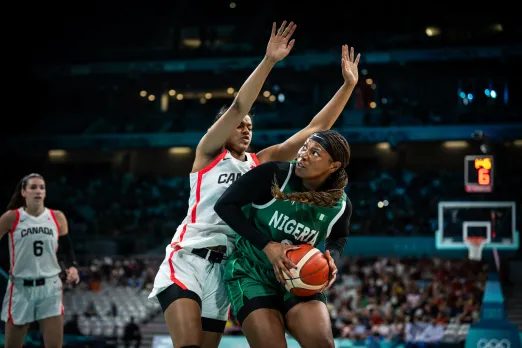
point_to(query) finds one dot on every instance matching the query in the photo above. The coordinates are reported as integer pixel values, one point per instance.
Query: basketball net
(475, 246)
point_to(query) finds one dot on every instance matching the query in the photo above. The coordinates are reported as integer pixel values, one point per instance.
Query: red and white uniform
(33, 243)
(203, 228)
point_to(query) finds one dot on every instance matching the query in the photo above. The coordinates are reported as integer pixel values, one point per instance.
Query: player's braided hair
(333, 188)
(17, 200)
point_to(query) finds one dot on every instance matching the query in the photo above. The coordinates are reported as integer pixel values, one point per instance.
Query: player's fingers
(289, 31)
(291, 247)
(285, 269)
(274, 27)
(288, 263)
(282, 276)
(357, 59)
(291, 44)
(277, 273)
(281, 29)
(330, 283)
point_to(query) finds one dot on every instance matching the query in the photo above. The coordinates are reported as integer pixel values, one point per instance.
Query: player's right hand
(276, 254)
(279, 46)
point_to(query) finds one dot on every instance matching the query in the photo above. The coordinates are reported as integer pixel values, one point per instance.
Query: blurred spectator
(71, 326)
(91, 311)
(132, 333)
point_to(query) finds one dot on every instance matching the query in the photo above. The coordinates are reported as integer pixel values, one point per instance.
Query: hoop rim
(477, 241)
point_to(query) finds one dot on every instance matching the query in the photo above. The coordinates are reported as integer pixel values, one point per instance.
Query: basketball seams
(302, 263)
(306, 257)
(311, 274)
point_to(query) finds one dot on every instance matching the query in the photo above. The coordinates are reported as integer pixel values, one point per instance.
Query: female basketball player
(189, 284)
(310, 206)
(34, 291)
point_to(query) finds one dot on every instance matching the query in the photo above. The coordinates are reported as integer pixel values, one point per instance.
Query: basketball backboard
(494, 221)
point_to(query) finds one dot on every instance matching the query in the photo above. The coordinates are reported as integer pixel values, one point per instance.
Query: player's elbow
(238, 107)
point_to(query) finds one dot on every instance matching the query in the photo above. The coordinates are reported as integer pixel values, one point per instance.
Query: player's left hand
(72, 275)
(349, 64)
(333, 270)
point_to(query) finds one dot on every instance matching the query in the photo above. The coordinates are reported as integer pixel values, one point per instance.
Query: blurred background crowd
(123, 95)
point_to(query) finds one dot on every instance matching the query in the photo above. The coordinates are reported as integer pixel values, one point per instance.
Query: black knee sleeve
(173, 293)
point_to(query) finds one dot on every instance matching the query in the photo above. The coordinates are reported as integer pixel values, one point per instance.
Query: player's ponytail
(17, 200)
(333, 188)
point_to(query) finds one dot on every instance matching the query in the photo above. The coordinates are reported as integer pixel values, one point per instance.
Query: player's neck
(313, 184)
(239, 156)
(34, 210)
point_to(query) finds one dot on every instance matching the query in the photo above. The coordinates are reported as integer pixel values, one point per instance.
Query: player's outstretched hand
(280, 44)
(349, 65)
(276, 253)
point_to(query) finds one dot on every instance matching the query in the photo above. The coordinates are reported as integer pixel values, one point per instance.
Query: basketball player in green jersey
(310, 206)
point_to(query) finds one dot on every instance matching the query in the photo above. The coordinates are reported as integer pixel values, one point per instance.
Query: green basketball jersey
(289, 222)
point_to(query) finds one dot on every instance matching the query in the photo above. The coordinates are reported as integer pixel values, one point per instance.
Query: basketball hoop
(475, 246)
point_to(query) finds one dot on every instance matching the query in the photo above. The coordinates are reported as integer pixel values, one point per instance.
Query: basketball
(312, 271)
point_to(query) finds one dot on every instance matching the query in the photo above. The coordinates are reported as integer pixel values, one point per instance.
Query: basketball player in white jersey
(189, 284)
(34, 290)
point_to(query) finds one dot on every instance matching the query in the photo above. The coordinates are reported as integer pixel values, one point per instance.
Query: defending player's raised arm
(325, 119)
(278, 48)
(253, 187)
(7, 221)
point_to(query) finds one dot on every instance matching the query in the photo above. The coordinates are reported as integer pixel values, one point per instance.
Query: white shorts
(191, 272)
(25, 304)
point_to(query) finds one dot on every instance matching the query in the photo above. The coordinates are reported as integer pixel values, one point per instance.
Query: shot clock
(478, 173)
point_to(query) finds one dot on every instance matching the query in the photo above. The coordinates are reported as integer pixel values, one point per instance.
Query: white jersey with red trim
(33, 243)
(203, 227)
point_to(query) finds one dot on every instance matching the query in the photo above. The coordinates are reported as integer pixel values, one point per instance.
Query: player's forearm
(67, 251)
(217, 135)
(247, 94)
(336, 247)
(326, 118)
(234, 217)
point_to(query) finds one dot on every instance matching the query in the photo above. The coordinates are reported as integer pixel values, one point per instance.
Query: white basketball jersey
(203, 227)
(33, 243)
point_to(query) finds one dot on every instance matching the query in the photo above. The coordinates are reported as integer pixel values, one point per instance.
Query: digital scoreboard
(478, 173)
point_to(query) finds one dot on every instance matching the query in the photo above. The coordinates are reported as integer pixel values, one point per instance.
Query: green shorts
(251, 285)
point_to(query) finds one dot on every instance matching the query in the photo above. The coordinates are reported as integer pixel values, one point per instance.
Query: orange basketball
(312, 271)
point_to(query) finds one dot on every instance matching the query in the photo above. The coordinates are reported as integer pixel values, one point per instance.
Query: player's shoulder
(274, 168)
(344, 202)
(10, 215)
(348, 204)
(8, 220)
(346, 199)
(276, 165)
(57, 213)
